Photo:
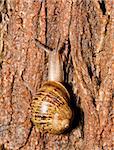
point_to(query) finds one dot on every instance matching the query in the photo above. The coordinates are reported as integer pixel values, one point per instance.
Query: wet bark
(85, 34)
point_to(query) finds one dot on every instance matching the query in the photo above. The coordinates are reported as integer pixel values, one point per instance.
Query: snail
(51, 111)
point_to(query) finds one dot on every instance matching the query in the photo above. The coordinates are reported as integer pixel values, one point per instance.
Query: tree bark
(85, 33)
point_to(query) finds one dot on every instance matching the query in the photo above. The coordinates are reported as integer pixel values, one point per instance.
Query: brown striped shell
(50, 108)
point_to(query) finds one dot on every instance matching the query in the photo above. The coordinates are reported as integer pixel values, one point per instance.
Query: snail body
(50, 106)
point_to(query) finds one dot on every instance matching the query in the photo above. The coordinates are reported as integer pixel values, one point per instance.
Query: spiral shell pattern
(50, 108)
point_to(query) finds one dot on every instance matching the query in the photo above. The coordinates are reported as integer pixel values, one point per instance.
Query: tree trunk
(84, 31)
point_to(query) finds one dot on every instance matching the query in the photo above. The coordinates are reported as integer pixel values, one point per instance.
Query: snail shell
(50, 106)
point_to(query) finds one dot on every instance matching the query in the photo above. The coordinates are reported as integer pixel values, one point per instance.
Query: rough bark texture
(85, 30)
